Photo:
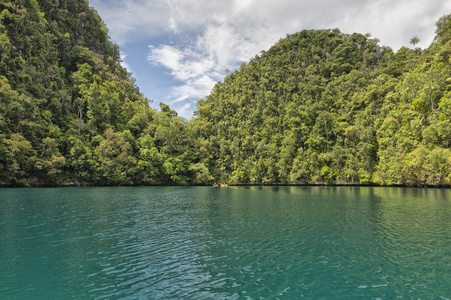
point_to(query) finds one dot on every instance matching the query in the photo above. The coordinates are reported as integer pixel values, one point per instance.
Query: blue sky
(178, 49)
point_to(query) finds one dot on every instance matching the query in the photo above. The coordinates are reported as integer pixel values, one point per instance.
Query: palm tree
(415, 40)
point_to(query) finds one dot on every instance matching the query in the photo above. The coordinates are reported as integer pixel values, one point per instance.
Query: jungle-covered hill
(69, 113)
(320, 106)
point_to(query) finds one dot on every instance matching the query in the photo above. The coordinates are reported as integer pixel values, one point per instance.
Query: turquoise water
(225, 243)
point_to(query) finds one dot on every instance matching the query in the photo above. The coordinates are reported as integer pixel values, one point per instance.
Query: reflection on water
(240, 242)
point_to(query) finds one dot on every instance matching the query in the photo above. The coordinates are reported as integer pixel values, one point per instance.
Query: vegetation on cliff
(320, 106)
(69, 113)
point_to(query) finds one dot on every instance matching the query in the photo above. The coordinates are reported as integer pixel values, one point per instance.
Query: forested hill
(69, 113)
(320, 106)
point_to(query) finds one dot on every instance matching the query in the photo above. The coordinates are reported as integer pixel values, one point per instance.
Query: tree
(50, 162)
(201, 174)
(82, 165)
(415, 40)
(443, 30)
(117, 163)
(18, 161)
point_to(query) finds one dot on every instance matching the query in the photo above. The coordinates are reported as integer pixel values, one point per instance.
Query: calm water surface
(225, 243)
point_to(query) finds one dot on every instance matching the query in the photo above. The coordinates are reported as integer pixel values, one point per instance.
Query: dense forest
(319, 107)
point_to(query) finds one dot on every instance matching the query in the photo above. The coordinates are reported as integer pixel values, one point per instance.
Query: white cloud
(396, 22)
(205, 37)
(185, 110)
(386, 19)
(124, 63)
(194, 69)
(173, 25)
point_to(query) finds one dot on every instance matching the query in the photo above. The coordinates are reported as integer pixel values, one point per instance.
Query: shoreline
(238, 185)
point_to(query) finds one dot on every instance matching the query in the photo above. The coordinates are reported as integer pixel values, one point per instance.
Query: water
(225, 243)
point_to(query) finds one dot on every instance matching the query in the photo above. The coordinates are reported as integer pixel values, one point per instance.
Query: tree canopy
(324, 107)
(319, 107)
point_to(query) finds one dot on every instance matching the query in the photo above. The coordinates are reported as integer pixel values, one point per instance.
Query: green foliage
(319, 107)
(443, 31)
(18, 159)
(331, 108)
(115, 156)
(69, 113)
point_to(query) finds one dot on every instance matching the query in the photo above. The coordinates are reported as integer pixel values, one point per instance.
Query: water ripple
(235, 243)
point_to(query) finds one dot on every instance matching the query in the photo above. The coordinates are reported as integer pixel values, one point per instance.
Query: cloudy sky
(178, 49)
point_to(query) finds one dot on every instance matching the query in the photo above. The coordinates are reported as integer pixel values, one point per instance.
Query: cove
(225, 243)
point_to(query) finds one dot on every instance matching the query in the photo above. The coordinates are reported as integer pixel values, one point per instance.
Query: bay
(225, 243)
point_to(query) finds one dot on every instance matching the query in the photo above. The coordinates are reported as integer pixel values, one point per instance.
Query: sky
(177, 50)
